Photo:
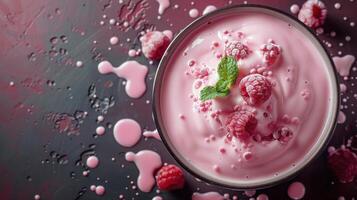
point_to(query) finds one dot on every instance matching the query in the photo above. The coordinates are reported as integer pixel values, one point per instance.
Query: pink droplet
(127, 132)
(100, 190)
(296, 191)
(92, 162)
(100, 130)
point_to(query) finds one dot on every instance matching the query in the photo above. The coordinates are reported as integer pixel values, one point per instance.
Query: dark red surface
(44, 134)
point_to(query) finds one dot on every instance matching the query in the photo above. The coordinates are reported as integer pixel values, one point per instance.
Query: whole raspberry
(271, 52)
(343, 163)
(241, 123)
(313, 13)
(170, 177)
(255, 89)
(236, 49)
(154, 44)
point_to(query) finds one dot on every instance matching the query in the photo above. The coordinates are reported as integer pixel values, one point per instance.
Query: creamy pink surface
(127, 132)
(300, 99)
(134, 73)
(147, 162)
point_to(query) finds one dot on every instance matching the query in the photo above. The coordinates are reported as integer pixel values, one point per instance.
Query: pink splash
(344, 64)
(152, 134)
(134, 73)
(92, 162)
(157, 198)
(127, 132)
(296, 190)
(163, 4)
(208, 9)
(207, 196)
(147, 162)
(168, 33)
(341, 118)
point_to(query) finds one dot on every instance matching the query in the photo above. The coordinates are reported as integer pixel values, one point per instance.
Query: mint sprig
(227, 73)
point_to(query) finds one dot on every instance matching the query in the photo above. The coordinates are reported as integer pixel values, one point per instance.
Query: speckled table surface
(49, 110)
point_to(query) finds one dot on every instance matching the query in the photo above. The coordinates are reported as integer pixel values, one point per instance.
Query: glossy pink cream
(300, 100)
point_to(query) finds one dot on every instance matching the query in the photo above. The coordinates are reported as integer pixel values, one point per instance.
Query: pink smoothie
(301, 100)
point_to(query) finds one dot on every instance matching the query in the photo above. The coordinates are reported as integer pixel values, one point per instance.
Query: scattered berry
(255, 89)
(154, 44)
(271, 52)
(313, 13)
(236, 49)
(170, 177)
(241, 123)
(343, 163)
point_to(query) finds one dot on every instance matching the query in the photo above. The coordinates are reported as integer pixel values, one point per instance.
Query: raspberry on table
(170, 177)
(241, 123)
(154, 44)
(271, 52)
(236, 49)
(313, 13)
(255, 89)
(343, 163)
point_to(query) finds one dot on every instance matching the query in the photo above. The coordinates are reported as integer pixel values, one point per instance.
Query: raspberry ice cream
(259, 125)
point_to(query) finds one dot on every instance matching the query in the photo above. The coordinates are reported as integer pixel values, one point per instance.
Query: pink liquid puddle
(132, 71)
(207, 196)
(92, 162)
(127, 132)
(341, 118)
(147, 162)
(208, 9)
(344, 64)
(296, 191)
(163, 5)
(152, 134)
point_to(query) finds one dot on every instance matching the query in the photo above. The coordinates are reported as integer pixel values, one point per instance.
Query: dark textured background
(44, 134)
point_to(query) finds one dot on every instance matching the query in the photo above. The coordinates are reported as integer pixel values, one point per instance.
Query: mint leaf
(228, 73)
(222, 85)
(227, 69)
(211, 92)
